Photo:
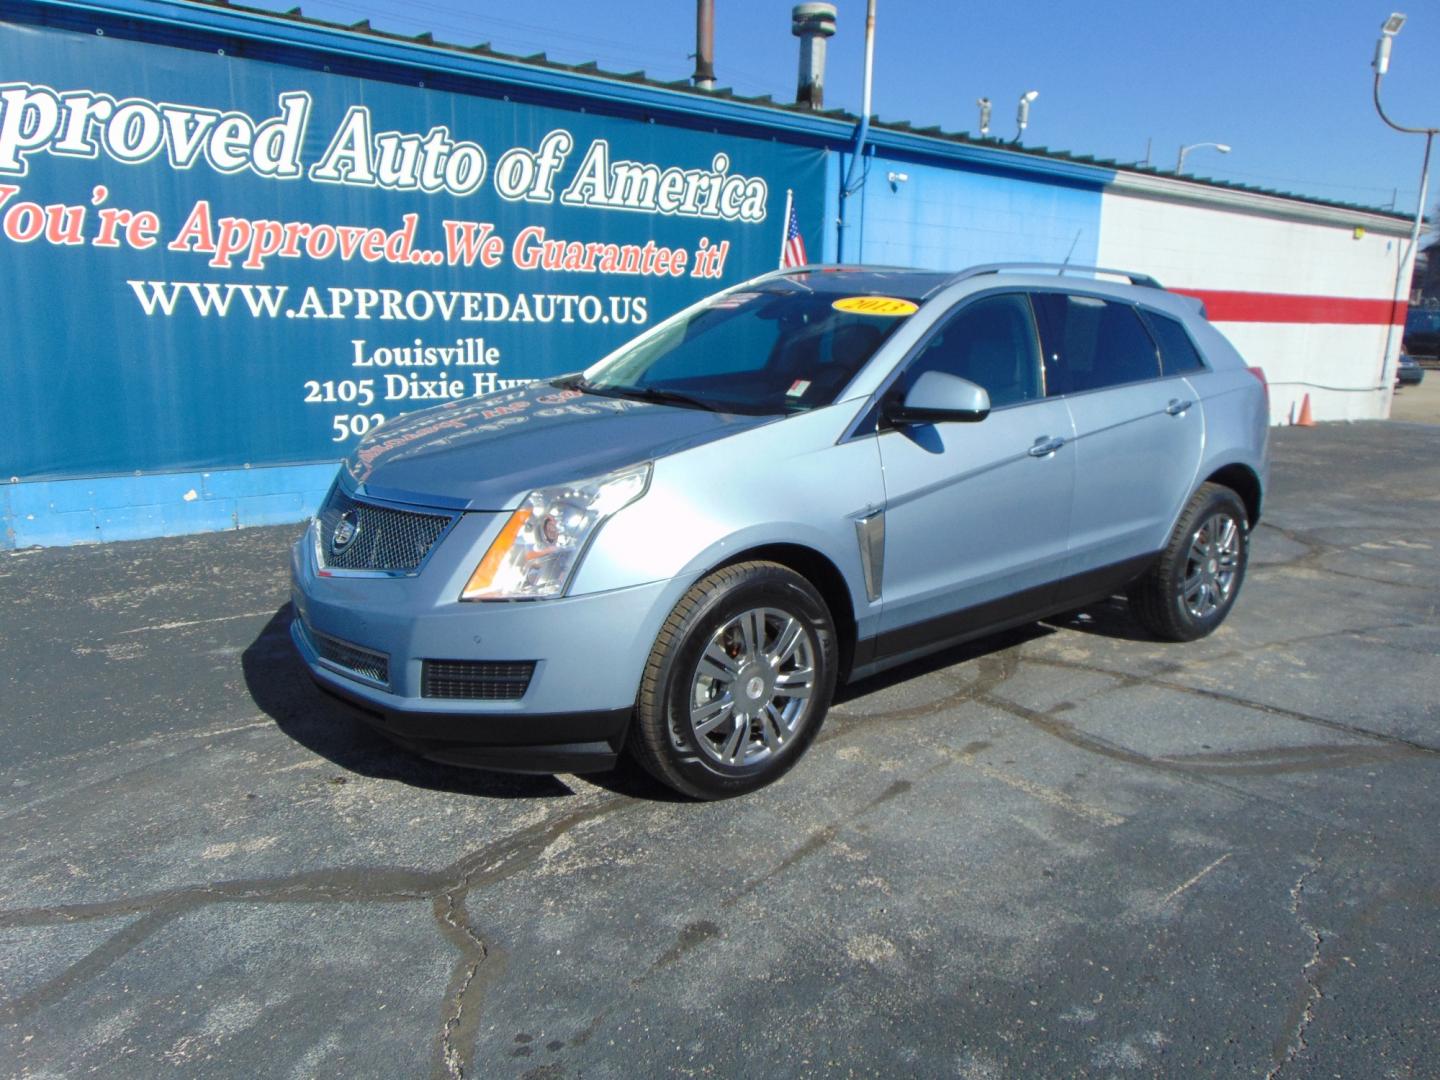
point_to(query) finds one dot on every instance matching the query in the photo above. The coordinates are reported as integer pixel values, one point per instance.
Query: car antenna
(1071, 251)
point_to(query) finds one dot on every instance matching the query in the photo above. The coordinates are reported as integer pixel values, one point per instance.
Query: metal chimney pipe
(812, 24)
(704, 77)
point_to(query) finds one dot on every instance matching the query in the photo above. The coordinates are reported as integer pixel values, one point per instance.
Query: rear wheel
(1192, 587)
(738, 682)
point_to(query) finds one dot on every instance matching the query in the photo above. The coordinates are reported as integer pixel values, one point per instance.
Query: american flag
(792, 252)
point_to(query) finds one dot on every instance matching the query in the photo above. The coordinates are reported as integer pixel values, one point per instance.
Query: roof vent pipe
(812, 24)
(704, 77)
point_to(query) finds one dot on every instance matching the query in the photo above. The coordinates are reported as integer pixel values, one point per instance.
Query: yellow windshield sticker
(875, 305)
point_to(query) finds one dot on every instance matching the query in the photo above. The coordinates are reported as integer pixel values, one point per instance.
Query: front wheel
(1193, 585)
(738, 682)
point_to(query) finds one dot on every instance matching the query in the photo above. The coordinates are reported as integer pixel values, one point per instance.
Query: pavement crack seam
(1318, 549)
(450, 913)
(1127, 680)
(1050, 796)
(823, 836)
(1095, 744)
(488, 865)
(1313, 994)
(1250, 651)
(460, 1010)
(993, 670)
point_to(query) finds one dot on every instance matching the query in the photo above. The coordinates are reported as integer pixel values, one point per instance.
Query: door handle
(1178, 407)
(1045, 446)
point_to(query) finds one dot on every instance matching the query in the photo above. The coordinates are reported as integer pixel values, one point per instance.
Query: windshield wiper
(660, 395)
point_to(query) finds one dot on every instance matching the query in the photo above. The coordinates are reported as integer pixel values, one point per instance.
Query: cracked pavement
(1065, 851)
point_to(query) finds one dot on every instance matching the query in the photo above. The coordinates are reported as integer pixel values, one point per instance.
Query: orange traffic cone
(1306, 420)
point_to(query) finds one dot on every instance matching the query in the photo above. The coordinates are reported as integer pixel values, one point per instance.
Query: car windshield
(779, 347)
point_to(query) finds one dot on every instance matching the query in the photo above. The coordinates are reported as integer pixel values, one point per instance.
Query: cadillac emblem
(346, 529)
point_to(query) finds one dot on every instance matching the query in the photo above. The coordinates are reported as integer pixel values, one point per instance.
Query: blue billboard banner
(213, 262)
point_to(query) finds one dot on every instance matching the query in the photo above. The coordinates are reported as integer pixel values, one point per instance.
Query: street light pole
(854, 178)
(1180, 161)
(1381, 64)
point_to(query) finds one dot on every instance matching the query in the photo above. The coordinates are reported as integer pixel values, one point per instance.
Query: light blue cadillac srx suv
(799, 481)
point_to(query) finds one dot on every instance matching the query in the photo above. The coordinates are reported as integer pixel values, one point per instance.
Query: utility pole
(854, 179)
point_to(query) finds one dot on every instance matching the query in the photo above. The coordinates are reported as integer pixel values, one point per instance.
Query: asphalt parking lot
(1418, 404)
(1068, 851)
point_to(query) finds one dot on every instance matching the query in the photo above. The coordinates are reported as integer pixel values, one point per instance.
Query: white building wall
(1291, 285)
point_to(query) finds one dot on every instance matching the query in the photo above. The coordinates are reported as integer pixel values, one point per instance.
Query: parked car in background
(803, 480)
(1422, 332)
(1408, 371)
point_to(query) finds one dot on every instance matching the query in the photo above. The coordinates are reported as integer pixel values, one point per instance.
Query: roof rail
(1142, 280)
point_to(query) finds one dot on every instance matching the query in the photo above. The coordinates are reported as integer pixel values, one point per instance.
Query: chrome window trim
(1118, 386)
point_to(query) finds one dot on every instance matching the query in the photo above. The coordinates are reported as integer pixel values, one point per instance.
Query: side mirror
(938, 398)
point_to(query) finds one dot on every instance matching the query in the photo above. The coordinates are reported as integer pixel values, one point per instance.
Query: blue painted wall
(53, 513)
(952, 216)
(832, 202)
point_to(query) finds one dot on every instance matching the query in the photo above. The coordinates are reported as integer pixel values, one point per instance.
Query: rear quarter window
(1178, 354)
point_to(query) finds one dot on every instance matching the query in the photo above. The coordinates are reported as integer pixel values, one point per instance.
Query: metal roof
(830, 126)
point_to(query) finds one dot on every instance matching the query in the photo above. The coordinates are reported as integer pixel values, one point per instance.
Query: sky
(1286, 83)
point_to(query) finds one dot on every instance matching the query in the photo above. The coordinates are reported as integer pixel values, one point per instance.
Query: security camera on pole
(1022, 114)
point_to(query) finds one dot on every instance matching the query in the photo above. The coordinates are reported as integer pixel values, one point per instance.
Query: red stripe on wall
(1223, 306)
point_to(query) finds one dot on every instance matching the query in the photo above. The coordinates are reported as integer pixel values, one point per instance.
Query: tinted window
(1090, 343)
(990, 342)
(1177, 352)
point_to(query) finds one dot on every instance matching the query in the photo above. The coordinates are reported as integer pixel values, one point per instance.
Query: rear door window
(1090, 343)
(1178, 354)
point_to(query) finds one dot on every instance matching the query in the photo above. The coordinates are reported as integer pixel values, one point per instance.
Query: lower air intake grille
(364, 536)
(475, 680)
(368, 665)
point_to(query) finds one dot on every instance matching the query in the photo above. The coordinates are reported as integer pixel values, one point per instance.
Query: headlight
(536, 551)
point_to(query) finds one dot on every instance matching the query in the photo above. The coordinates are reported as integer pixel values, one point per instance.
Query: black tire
(1200, 559)
(678, 695)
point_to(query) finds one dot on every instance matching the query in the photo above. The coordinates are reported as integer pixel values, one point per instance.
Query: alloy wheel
(1211, 565)
(751, 691)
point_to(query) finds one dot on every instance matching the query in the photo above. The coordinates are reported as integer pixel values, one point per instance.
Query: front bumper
(588, 654)
(526, 742)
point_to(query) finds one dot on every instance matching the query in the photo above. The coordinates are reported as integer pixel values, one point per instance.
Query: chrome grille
(476, 680)
(384, 539)
(365, 663)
